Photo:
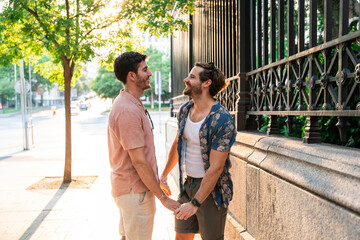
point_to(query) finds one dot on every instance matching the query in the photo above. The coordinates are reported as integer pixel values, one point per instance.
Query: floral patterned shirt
(216, 132)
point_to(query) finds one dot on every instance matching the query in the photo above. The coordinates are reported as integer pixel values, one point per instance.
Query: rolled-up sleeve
(131, 134)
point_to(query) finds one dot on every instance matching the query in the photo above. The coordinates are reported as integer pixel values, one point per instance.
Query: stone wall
(285, 189)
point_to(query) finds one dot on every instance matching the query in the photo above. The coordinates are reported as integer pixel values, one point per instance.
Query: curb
(5, 115)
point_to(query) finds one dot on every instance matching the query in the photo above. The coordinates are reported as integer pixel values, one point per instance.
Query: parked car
(74, 110)
(76, 102)
(85, 106)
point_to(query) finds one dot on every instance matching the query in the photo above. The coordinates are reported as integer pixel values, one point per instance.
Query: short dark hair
(127, 62)
(216, 76)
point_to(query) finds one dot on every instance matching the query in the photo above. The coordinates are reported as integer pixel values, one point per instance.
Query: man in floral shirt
(206, 132)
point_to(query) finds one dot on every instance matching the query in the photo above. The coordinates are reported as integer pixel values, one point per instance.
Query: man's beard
(192, 91)
(142, 83)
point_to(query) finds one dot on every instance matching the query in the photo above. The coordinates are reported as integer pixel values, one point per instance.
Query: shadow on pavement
(43, 214)
(10, 155)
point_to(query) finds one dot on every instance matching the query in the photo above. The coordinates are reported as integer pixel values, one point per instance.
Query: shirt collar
(137, 102)
(215, 107)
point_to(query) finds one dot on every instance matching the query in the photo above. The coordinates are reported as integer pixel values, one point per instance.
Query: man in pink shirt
(134, 175)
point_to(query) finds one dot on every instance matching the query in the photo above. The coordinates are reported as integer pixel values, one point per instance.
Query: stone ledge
(330, 171)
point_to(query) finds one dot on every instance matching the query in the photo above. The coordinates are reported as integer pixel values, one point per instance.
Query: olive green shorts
(208, 220)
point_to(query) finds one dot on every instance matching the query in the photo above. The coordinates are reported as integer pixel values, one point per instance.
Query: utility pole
(28, 139)
(30, 92)
(158, 89)
(16, 98)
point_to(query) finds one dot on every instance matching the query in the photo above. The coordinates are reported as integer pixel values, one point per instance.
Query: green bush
(329, 131)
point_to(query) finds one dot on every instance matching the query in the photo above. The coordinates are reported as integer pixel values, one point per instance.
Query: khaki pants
(121, 226)
(137, 214)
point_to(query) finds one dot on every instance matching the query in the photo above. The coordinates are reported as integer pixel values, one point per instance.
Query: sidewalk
(4, 115)
(66, 213)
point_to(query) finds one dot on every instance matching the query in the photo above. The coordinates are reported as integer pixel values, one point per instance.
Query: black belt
(192, 179)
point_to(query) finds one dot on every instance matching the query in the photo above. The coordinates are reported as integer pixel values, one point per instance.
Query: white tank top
(194, 166)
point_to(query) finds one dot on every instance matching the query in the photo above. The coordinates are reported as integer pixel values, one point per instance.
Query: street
(88, 133)
(70, 213)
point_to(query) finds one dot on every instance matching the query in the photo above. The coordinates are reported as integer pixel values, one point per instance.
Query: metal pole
(16, 98)
(30, 92)
(30, 125)
(158, 80)
(23, 105)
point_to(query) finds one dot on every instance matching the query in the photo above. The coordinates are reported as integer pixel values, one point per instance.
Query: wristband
(195, 202)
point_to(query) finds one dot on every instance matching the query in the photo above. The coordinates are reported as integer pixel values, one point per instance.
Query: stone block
(170, 134)
(252, 200)
(289, 212)
(233, 229)
(249, 138)
(170, 129)
(319, 169)
(257, 156)
(241, 150)
(237, 206)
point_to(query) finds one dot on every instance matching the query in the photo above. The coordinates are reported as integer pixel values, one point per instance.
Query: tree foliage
(74, 31)
(7, 81)
(159, 61)
(7, 90)
(105, 84)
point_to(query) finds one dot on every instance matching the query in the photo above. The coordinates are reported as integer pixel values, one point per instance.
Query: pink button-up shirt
(128, 128)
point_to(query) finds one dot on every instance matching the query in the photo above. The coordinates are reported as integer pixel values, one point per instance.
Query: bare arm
(147, 175)
(170, 164)
(217, 162)
(212, 175)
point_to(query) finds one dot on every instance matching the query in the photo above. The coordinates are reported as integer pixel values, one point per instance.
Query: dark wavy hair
(127, 62)
(216, 76)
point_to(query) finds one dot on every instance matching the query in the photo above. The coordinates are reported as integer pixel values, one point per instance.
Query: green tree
(105, 84)
(159, 61)
(72, 31)
(81, 85)
(7, 90)
(7, 80)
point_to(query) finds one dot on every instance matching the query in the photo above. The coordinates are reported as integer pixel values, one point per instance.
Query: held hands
(164, 185)
(181, 212)
(185, 211)
(169, 203)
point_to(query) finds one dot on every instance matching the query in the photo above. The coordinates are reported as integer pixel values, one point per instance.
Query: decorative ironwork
(324, 80)
(228, 97)
(279, 74)
(357, 73)
(330, 95)
(176, 103)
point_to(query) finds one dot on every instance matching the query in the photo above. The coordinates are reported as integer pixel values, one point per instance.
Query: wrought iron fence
(314, 83)
(313, 80)
(282, 58)
(227, 98)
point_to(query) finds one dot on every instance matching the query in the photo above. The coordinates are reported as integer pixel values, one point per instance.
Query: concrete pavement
(68, 213)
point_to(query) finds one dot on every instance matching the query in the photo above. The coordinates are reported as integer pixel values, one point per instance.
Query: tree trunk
(68, 160)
